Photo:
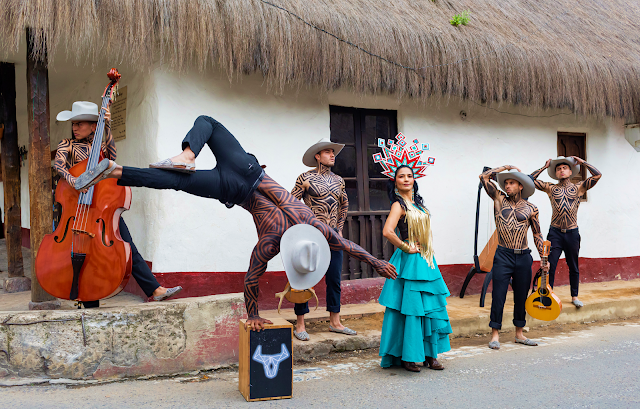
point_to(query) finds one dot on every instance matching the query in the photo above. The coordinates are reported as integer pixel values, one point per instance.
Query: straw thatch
(583, 56)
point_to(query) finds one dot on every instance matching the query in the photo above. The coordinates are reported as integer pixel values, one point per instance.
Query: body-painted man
(514, 214)
(325, 194)
(565, 200)
(238, 179)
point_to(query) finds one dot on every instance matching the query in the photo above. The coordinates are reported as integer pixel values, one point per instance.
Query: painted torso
(324, 192)
(70, 152)
(512, 222)
(565, 202)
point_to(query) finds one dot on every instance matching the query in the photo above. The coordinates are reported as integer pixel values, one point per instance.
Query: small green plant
(460, 19)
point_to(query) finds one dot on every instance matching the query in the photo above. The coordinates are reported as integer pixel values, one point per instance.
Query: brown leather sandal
(433, 364)
(410, 366)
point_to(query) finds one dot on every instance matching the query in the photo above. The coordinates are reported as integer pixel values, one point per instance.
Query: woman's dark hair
(393, 197)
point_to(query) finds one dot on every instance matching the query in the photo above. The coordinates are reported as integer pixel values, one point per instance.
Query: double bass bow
(85, 259)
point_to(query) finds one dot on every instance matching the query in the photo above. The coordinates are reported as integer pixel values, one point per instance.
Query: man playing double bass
(565, 200)
(84, 120)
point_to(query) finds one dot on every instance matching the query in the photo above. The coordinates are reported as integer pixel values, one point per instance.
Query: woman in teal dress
(416, 324)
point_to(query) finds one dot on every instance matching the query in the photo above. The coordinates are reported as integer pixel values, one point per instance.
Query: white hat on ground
(305, 254)
(309, 157)
(80, 111)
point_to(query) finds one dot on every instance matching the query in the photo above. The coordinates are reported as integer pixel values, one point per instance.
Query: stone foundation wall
(153, 338)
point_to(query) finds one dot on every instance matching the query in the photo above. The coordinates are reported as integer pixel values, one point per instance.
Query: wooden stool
(266, 361)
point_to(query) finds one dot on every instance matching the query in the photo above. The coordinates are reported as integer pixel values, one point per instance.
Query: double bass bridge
(78, 231)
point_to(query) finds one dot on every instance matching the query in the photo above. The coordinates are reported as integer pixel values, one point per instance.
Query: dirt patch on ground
(367, 322)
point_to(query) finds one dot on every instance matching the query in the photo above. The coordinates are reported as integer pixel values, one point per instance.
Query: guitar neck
(543, 263)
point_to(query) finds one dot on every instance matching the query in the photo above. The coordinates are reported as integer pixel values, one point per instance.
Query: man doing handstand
(512, 261)
(237, 179)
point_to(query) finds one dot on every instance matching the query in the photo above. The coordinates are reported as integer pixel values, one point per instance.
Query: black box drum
(266, 362)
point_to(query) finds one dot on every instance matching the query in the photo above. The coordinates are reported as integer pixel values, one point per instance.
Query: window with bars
(359, 129)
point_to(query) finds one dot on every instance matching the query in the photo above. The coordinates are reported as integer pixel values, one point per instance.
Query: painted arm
(590, 181)
(488, 185)
(535, 229)
(540, 185)
(60, 162)
(299, 188)
(389, 229)
(344, 208)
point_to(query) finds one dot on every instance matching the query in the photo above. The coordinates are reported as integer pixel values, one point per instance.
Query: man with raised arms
(565, 200)
(512, 261)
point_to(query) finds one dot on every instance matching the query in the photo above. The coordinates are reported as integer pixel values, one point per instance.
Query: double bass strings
(85, 199)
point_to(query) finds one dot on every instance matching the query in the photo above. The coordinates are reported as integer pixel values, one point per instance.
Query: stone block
(160, 338)
(44, 305)
(17, 284)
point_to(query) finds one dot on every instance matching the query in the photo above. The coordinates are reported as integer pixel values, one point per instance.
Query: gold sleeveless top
(419, 223)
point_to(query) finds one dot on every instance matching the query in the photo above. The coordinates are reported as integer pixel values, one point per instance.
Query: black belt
(563, 230)
(514, 251)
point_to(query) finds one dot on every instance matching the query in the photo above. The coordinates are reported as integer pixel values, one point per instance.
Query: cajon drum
(266, 361)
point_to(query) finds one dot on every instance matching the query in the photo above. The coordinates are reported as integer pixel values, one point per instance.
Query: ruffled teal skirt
(416, 323)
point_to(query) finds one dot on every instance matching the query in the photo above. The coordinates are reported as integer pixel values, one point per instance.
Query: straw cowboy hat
(80, 111)
(309, 157)
(575, 169)
(305, 254)
(528, 187)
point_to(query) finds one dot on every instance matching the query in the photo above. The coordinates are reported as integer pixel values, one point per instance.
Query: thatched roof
(584, 56)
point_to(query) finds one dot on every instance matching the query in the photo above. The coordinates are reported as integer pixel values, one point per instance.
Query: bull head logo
(270, 363)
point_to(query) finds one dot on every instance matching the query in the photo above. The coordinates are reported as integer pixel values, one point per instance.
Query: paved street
(592, 367)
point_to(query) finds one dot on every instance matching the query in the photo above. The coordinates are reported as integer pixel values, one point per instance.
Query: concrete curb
(323, 344)
(194, 334)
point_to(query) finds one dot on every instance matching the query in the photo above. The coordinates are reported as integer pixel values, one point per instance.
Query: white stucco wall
(179, 232)
(278, 129)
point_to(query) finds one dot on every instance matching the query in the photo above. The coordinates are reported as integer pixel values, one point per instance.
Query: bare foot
(159, 291)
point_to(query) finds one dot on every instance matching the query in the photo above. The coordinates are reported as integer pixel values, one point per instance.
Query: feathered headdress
(401, 153)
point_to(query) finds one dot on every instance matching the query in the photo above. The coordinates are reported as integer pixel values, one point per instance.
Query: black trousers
(236, 175)
(569, 242)
(509, 266)
(140, 269)
(332, 278)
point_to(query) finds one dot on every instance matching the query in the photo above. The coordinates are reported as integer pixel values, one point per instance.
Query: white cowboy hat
(305, 254)
(309, 157)
(575, 169)
(80, 111)
(528, 187)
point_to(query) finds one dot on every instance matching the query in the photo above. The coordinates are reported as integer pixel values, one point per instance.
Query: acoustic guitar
(543, 304)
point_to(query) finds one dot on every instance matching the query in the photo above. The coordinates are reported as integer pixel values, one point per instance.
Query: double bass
(85, 259)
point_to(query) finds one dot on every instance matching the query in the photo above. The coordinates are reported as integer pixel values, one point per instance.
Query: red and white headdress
(401, 153)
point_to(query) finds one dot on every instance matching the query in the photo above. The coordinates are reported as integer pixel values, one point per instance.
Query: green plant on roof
(460, 19)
